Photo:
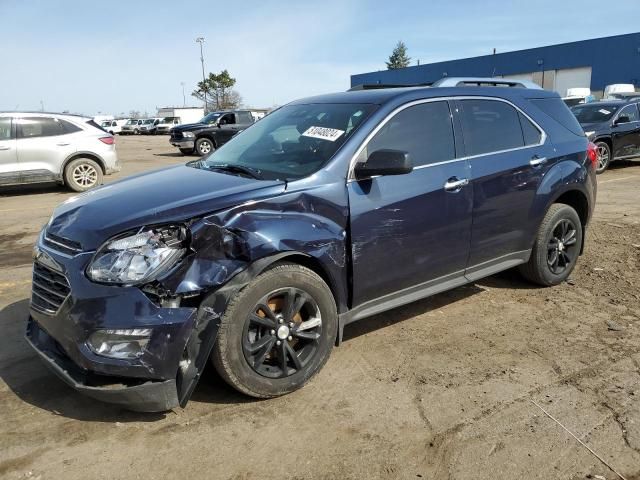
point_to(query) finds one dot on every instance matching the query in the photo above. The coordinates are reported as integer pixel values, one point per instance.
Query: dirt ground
(442, 388)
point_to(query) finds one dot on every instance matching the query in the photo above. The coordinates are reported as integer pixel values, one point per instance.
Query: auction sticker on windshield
(323, 133)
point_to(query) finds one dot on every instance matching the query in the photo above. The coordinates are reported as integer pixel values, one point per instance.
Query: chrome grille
(49, 289)
(61, 244)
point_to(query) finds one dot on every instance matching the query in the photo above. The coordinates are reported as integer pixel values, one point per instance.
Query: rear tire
(186, 151)
(557, 247)
(82, 174)
(258, 325)
(604, 157)
(204, 146)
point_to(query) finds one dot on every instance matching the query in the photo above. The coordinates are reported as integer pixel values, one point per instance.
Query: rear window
(558, 110)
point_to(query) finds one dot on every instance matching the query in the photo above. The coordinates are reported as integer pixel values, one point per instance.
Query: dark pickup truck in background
(211, 132)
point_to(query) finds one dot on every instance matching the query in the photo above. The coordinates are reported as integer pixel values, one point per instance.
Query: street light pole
(200, 40)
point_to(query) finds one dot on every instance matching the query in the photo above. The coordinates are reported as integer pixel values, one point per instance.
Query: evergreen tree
(399, 57)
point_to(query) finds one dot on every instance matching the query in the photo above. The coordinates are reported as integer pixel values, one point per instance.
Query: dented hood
(168, 195)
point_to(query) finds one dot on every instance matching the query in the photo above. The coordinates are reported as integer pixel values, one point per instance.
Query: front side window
(32, 127)
(291, 143)
(5, 128)
(424, 131)
(490, 126)
(631, 112)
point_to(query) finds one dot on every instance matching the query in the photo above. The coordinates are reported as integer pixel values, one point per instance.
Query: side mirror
(384, 162)
(622, 119)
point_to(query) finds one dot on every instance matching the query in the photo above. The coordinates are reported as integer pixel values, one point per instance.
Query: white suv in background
(50, 147)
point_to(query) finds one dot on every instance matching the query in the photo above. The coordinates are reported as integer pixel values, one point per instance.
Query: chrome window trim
(394, 112)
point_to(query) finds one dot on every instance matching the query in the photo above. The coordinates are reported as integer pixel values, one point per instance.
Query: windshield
(168, 119)
(210, 117)
(147, 122)
(594, 113)
(106, 124)
(293, 142)
(131, 122)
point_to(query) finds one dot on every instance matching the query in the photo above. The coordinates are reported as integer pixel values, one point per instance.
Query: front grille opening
(49, 289)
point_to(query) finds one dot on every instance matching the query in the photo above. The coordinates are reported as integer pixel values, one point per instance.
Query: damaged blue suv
(327, 211)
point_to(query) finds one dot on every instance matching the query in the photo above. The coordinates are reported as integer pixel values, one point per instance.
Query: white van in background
(114, 126)
(611, 90)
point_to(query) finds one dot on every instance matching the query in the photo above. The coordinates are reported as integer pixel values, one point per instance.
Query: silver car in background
(132, 127)
(49, 147)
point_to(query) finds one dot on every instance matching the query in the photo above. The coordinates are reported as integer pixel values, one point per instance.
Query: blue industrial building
(592, 63)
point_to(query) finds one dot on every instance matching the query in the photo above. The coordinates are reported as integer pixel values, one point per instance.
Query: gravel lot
(442, 388)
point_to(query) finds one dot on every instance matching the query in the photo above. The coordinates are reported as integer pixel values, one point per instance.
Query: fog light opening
(121, 343)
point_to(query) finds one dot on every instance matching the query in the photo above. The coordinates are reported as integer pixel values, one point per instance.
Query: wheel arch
(77, 155)
(208, 136)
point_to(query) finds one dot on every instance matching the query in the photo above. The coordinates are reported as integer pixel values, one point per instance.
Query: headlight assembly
(188, 134)
(138, 258)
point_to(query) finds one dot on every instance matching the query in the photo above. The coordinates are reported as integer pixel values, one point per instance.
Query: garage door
(572, 78)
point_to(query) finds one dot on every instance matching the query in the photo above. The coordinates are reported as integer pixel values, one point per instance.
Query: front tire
(82, 174)
(204, 146)
(557, 247)
(604, 156)
(277, 332)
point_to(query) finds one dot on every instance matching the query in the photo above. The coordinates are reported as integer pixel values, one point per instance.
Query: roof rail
(375, 86)
(485, 82)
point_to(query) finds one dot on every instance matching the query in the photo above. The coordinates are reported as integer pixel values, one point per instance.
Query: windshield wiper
(252, 172)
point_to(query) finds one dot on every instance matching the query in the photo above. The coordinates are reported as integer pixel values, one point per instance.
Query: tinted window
(630, 111)
(69, 127)
(31, 127)
(532, 135)
(558, 110)
(490, 126)
(424, 131)
(5, 128)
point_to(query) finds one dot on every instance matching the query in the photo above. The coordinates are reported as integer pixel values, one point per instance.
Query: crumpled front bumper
(60, 335)
(144, 396)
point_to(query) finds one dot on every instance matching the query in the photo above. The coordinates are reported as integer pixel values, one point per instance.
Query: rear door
(9, 169)
(43, 144)
(508, 158)
(626, 135)
(411, 230)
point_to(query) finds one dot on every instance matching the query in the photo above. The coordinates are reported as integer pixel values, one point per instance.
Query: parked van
(609, 90)
(114, 126)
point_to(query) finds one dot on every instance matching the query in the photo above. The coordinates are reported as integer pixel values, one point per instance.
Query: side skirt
(432, 287)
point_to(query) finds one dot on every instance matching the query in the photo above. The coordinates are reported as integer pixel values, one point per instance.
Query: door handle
(537, 161)
(62, 144)
(4, 147)
(454, 184)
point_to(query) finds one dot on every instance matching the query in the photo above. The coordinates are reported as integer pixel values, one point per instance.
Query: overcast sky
(115, 56)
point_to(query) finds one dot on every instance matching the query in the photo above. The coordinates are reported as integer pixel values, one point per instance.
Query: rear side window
(558, 110)
(532, 136)
(69, 127)
(32, 127)
(95, 125)
(490, 126)
(424, 131)
(5, 128)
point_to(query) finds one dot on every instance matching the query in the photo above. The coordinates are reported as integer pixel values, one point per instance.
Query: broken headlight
(138, 258)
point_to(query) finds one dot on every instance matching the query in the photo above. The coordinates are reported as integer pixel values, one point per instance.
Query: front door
(9, 170)
(411, 230)
(508, 159)
(626, 132)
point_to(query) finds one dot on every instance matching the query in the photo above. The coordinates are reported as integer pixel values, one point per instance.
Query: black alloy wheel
(562, 251)
(282, 332)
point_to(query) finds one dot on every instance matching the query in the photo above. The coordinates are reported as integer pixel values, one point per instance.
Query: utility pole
(184, 101)
(200, 40)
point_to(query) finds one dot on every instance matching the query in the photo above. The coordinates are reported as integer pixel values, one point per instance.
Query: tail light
(108, 140)
(592, 154)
